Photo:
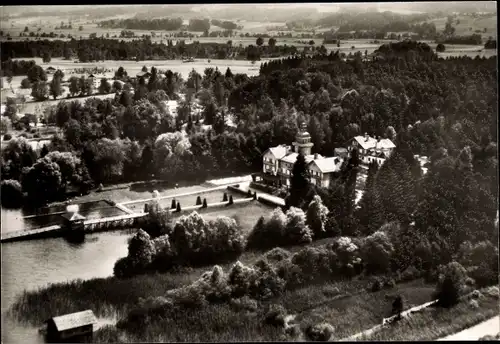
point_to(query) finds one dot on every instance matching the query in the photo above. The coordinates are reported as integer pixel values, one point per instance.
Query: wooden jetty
(90, 225)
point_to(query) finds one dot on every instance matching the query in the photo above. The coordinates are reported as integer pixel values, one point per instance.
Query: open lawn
(133, 67)
(434, 323)
(190, 200)
(468, 25)
(352, 314)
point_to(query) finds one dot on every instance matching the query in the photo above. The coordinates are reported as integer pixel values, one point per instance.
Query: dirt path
(488, 327)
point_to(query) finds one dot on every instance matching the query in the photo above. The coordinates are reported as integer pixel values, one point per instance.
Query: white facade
(277, 162)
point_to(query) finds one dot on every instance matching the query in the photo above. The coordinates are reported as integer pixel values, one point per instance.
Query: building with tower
(278, 162)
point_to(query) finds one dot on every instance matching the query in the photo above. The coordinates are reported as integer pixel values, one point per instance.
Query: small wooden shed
(74, 327)
(72, 221)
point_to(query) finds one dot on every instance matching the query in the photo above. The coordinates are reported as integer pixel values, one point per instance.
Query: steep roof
(385, 143)
(73, 320)
(371, 142)
(292, 157)
(279, 151)
(73, 216)
(328, 165)
(366, 142)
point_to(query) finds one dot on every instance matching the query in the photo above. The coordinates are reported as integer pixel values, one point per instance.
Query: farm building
(74, 327)
(50, 70)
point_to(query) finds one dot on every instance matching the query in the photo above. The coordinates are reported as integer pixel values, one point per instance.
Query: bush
(25, 83)
(7, 137)
(178, 207)
(275, 315)
(389, 284)
(376, 286)
(198, 200)
(489, 337)
(476, 294)
(492, 291)
(483, 275)
(293, 332)
(473, 304)
(320, 332)
(409, 274)
(11, 193)
(173, 204)
(230, 200)
(377, 251)
(245, 303)
(450, 285)
(296, 229)
(470, 282)
(330, 291)
(440, 48)
(277, 255)
(204, 203)
(397, 305)
(224, 198)
(317, 214)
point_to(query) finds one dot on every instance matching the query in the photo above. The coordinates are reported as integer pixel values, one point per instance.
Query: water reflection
(33, 264)
(25, 218)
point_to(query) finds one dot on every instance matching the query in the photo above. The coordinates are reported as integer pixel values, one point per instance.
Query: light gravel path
(488, 327)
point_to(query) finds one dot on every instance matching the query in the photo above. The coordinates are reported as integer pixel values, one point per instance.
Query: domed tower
(303, 142)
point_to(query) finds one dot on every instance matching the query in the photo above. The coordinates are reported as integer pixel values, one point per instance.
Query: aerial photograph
(286, 172)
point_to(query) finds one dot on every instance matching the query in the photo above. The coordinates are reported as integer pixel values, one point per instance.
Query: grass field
(352, 314)
(434, 323)
(468, 25)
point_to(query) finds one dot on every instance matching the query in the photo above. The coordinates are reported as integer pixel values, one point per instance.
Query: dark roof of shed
(143, 74)
(73, 320)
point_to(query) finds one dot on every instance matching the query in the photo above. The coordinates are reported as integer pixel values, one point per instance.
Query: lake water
(33, 264)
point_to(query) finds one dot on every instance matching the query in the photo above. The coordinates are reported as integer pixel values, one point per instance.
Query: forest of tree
(427, 105)
(225, 24)
(98, 49)
(166, 24)
(474, 39)
(442, 225)
(352, 21)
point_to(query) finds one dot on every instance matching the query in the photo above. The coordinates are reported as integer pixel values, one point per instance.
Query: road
(488, 327)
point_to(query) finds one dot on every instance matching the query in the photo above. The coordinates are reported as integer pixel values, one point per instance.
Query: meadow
(433, 323)
(345, 304)
(468, 25)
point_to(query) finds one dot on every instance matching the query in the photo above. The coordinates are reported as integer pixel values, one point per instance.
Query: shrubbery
(192, 241)
(280, 230)
(320, 332)
(451, 284)
(11, 193)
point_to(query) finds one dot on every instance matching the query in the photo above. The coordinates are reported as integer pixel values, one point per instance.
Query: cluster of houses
(278, 161)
